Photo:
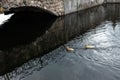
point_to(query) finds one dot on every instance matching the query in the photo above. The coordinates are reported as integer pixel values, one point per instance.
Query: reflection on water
(97, 26)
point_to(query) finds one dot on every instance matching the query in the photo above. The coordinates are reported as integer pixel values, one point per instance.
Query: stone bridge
(57, 7)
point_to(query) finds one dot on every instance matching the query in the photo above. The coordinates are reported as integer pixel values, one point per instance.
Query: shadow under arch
(23, 28)
(30, 9)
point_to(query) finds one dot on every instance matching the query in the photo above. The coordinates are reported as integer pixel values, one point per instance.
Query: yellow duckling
(69, 49)
(89, 46)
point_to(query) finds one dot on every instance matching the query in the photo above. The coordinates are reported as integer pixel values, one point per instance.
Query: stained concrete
(113, 1)
(57, 7)
(76, 5)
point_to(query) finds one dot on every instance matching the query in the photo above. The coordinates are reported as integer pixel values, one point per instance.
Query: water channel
(34, 48)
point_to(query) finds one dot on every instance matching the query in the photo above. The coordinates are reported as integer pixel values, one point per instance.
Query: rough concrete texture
(57, 7)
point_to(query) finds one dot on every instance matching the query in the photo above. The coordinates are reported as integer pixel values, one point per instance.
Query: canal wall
(76, 5)
(57, 7)
(112, 1)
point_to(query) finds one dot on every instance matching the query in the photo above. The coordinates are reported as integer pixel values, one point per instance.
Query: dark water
(26, 36)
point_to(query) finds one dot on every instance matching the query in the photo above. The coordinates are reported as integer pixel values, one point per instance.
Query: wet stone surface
(98, 27)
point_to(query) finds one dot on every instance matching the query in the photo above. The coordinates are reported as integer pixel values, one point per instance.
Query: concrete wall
(57, 7)
(76, 5)
(112, 1)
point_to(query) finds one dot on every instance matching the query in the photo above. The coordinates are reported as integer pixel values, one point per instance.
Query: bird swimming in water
(89, 46)
(69, 48)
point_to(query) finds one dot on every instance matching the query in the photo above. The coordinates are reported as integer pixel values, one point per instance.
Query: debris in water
(69, 48)
(89, 47)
